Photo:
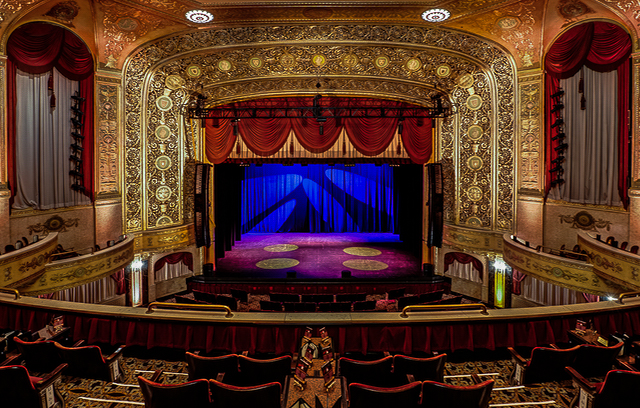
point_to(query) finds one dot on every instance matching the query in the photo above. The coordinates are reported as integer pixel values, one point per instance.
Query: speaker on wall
(201, 205)
(435, 205)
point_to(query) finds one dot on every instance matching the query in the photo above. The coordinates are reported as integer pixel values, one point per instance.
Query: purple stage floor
(318, 256)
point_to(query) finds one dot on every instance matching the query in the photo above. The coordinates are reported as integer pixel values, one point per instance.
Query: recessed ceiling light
(436, 15)
(199, 16)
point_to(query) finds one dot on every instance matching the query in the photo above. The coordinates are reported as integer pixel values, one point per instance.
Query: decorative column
(634, 192)
(530, 125)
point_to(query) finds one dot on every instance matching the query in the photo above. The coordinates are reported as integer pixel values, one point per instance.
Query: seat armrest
(156, 376)
(51, 377)
(78, 343)
(386, 353)
(579, 380)
(476, 378)
(13, 360)
(516, 357)
(220, 377)
(411, 378)
(115, 354)
(554, 346)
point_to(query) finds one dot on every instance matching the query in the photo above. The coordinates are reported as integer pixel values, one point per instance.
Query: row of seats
(614, 243)
(21, 243)
(311, 307)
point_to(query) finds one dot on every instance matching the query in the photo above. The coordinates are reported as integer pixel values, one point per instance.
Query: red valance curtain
(369, 136)
(185, 257)
(36, 48)
(601, 47)
(462, 258)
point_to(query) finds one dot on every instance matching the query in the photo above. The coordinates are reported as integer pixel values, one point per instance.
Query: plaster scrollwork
(377, 61)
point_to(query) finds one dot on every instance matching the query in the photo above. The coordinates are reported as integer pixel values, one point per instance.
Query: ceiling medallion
(436, 15)
(199, 16)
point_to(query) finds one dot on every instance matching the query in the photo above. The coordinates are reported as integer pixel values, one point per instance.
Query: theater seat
(38, 356)
(255, 372)
(19, 389)
(368, 396)
(618, 390)
(229, 396)
(422, 369)
(209, 368)
(545, 364)
(88, 362)
(435, 394)
(595, 361)
(195, 393)
(377, 372)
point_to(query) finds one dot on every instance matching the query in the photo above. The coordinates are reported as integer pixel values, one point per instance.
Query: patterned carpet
(75, 389)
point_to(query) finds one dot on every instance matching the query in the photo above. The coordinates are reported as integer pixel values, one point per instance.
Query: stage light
(557, 94)
(77, 111)
(558, 159)
(76, 122)
(557, 123)
(560, 147)
(77, 187)
(557, 168)
(400, 128)
(557, 107)
(77, 98)
(560, 135)
(557, 181)
(77, 135)
(75, 173)
(76, 147)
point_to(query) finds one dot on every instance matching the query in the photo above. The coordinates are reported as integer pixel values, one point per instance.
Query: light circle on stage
(281, 248)
(365, 264)
(277, 263)
(362, 251)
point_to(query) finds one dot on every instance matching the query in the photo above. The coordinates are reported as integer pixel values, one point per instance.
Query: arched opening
(49, 117)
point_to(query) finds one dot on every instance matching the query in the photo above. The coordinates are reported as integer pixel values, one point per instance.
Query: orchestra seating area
(475, 379)
(392, 300)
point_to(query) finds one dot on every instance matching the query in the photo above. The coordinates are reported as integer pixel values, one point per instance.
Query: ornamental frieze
(27, 264)
(406, 63)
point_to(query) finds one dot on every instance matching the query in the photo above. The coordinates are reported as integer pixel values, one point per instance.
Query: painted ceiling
(114, 28)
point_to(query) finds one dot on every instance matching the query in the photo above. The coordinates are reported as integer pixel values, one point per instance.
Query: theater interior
(330, 204)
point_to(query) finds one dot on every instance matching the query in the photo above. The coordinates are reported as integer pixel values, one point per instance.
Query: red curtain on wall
(36, 48)
(462, 258)
(185, 257)
(369, 136)
(601, 47)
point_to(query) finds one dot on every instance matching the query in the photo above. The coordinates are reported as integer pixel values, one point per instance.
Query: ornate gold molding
(165, 239)
(68, 273)
(611, 263)
(26, 264)
(472, 239)
(3, 121)
(531, 132)
(253, 62)
(108, 137)
(568, 273)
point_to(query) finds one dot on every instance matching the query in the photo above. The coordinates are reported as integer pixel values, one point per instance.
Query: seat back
(39, 356)
(364, 305)
(271, 306)
(241, 295)
(435, 394)
(408, 301)
(304, 307)
(255, 372)
(619, 390)
(547, 364)
(229, 396)
(396, 293)
(85, 361)
(595, 361)
(284, 297)
(227, 301)
(422, 369)
(209, 367)
(204, 296)
(377, 373)
(367, 396)
(16, 388)
(431, 296)
(170, 396)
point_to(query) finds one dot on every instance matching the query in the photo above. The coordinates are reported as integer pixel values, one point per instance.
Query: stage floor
(318, 256)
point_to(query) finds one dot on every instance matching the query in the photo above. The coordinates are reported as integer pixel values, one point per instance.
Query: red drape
(602, 47)
(462, 258)
(184, 257)
(119, 278)
(517, 277)
(36, 48)
(370, 136)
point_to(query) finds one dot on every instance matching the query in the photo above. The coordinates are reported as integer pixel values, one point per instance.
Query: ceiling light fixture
(436, 15)
(199, 16)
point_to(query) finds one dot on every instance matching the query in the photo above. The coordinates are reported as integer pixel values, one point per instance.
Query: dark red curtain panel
(264, 136)
(417, 139)
(36, 48)
(220, 140)
(370, 136)
(601, 47)
(462, 258)
(307, 132)
(184, 257)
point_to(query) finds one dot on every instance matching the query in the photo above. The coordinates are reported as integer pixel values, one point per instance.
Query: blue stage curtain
(318, 198)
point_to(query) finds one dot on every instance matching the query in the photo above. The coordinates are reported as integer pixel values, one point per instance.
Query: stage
(319, 256)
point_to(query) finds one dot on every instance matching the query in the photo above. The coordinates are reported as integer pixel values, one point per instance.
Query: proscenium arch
(258, 62)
